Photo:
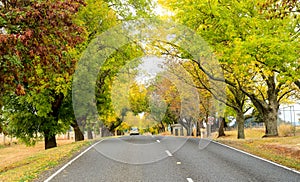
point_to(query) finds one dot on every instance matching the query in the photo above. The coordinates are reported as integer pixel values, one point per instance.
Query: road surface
(157, 158)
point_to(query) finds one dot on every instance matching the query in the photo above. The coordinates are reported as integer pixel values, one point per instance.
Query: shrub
(286, 130)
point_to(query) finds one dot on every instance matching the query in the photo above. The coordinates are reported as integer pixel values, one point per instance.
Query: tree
(25, 40)
(35, 40)
(164, 102)
(230, 96)
(120, 89)
(48, 39)
(94, 22)
(158, 110)
(175, 100)
(119, 11)
(112, 72)
(242, 36)
(139, 102)
(131, 10)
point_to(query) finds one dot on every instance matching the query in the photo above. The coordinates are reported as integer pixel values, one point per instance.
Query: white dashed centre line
(169, 153)
(189, 179)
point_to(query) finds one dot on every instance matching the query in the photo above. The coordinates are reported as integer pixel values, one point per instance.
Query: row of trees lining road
(41, 42)
(257, 45)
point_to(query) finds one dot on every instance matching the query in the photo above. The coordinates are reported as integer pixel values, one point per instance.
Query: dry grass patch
(286, 130)
(21, 163)
(283, 150)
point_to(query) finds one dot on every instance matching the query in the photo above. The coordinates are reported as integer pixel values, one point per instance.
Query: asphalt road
(157, 158)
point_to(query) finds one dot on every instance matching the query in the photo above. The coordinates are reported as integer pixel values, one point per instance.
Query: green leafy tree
(96, 22)
(132, 9)
(120, 91)
(96, 17)
(138, 98)
(112, 112)
(251, 45)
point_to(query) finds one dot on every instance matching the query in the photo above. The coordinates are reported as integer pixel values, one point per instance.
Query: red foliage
(42, 30)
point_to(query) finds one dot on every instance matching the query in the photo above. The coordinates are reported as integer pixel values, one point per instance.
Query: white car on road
(134, 131)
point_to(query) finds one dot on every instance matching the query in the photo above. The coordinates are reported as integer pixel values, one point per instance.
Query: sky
(149, 68)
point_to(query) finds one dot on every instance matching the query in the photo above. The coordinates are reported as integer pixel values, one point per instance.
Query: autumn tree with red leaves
(34, 43)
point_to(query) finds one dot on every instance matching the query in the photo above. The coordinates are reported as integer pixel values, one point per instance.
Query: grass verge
(282, 150)
(29, 168)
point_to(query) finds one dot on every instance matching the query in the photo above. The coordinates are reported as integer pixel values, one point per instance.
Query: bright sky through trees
(149, 68)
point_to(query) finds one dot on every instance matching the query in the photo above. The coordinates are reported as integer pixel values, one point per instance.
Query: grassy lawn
(21, 163)
(282, 150)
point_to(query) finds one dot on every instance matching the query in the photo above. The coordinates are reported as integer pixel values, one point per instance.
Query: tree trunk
(3, 139)
(163, 129)
(221, 126)
(207, 126)
(77, 132)
(50, 140)
(89, 132)
(187, 127)
(199, 128)
(269, 115)
(297, 83)
(268, 110)
(240, 119)
(270, 119)
(188, 131)
(104, 131)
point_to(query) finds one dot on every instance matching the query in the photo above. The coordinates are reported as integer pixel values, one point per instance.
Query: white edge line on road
(266, 160)
(158, 141)
(70, 162)
(169, 153)
(189, 179)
